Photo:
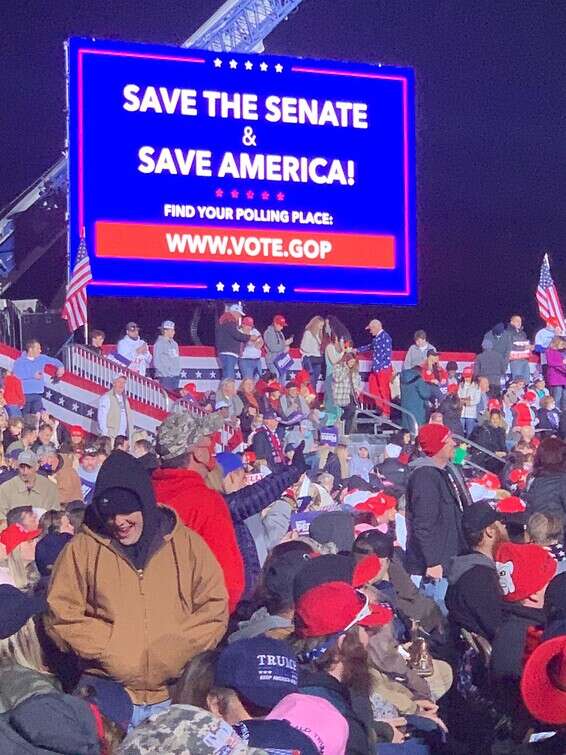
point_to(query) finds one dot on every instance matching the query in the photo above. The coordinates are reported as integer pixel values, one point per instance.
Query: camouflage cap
(184, 729)
(179, 432)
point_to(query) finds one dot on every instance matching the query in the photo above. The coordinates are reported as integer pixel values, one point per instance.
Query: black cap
(281, 571)
(118, 500)
(480, 515)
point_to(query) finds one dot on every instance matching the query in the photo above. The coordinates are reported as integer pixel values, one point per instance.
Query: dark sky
(491, 129)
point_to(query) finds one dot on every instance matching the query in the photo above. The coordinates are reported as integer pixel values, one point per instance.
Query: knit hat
(229, 462)
(523, 570)
(335, 607)
(48, 549)
(116, 500)
(15, 535)
(433, 437)
(315, 717)
(377, 504)
(335, 567)
(261, 669)
(334, 527)
(543, 683)
(17, 608)
(180, 431)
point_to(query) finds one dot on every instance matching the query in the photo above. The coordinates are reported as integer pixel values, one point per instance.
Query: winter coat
(549, 421)
(67, 480)
(228, 338)
(248, 502)
(514, 341)
(274, 341)
(166, 359)
(205, 512)
(346, 384)
(394, 472)
(13, 391)
(139, 626)
(411, 601)
(508, 647)
(263, 447)
(414, 395)
(434, 518)
(547, 493)
(474, 599)
(556, 369)
(451, 415)
(17, 683)
(491, 438)
(490, 364)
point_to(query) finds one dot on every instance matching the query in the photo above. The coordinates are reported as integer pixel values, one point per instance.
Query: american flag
(74, 309)
(547, 296)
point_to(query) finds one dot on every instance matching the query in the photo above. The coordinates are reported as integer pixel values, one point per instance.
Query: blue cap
(109, 696)
(229, 462)
(47, 550)
(261, 669)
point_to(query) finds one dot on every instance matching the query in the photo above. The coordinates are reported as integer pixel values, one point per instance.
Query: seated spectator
(251, 404)
(28, 488)
(450, 409)
(431, 370)
(293, 406)
(121, 443)
(266, 443)
(272, 399)
(25, 517)
(227, 392)
(474, 598)
(26, 440)
(47, 550)
(87, 470)
(547, 491)
(19, 545)
(12, 434)
(59, 469)
(548, 417)
(361, 463)
(547, 530)
(392, 471)
(490, 435)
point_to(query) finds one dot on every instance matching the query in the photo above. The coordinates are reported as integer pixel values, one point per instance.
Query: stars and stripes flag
(547, 296)
(75, 309)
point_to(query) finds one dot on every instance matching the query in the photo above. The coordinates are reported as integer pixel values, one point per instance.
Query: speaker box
(48, 327)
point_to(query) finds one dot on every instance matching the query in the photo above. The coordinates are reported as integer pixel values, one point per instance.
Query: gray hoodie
(166, 358)
(260, 623)
(462, 564)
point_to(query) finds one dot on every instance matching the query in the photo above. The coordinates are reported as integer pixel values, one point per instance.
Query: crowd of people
(293, 586)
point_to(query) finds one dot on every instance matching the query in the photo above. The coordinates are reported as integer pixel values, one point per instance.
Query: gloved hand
(299, 462)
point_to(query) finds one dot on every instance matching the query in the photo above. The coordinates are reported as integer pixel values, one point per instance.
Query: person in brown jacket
(59, 469)
(135, 594)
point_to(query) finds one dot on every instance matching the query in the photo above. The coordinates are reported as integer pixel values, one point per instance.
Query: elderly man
(227, 392)
(379, 382)
(114, 411)
(59, 469)
(185, 445)
(28, 488)
(135, 595)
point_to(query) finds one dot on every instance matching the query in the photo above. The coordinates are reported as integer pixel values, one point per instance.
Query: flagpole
(83, 235)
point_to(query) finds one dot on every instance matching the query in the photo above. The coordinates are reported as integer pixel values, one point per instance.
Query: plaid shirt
(346, 384)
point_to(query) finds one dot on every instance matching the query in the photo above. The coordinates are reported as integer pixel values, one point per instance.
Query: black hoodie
(120, 470)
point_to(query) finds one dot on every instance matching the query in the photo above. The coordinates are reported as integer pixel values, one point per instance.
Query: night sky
(491, 136)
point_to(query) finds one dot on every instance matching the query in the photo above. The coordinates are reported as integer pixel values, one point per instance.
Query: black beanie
(113, 501)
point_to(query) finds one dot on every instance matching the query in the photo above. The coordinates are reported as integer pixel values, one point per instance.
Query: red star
(249, 194)
(280, 196)
(219, 192)
(234, 193)
(265, 195)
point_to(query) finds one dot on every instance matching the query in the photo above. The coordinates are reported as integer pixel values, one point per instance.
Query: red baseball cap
(488, 480)
(453, 388)
(279, 320)
(15, 535)
(553, 322)
(335, 607)
(494, 404)
(543, 683)
(523, 570)
(433, 437)
(366, 571)
(274, 386)
(247, 320)
(511, 505)
(518, 475)
(377, 504)
(77, 430)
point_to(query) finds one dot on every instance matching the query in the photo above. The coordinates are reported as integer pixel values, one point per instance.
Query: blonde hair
(24, 573)
(24, 649)
(545, 529)
(342, 455)
(215, 479)
(315, 325)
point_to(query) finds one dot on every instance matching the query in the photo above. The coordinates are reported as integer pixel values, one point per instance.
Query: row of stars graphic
(248, 65)
(73, 405)
(235, 194)
(251, 287)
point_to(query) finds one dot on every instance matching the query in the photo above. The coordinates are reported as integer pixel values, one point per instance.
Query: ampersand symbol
(248, 140)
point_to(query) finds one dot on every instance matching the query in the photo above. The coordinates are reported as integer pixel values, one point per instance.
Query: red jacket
(13, 391)
(206, 512)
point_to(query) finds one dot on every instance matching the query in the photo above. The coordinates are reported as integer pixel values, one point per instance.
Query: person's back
(474, 599)
(547, 493)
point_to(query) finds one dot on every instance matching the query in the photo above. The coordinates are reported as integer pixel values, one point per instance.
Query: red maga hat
(366, 571)
(511, 505)
(523, 570)
(433, 437)
(468, 372)
(15, 535)
(488, 480)
(378, 504)
(335, 607)
(279, 320)
(77, 430)
(543, 683)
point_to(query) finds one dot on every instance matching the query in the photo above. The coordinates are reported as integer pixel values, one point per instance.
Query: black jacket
(493, 439)
(549, 421)
(474, 598)
(547, 493)
(451, 415)
(228, 338)
(434, 518)
(393, 471)
(262, 448)
(508, 647)
(326, 686)
(492, 365)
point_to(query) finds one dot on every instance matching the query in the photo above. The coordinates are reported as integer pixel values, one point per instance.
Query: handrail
(477, 446)
(83, 362)
(379, 400)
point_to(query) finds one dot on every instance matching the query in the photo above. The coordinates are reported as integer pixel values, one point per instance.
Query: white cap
(221, 404)
(167, 324)
(237, 308)
(393, 451)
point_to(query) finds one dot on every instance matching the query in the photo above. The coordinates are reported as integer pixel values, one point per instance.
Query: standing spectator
(416, 354)
(185, 447)
(229, 340)
(145, 455)
(30, 369)
(544, 336)
(28, 488)
(227, 393)
(121, 443)
(469, 394)
(556, 371)
(333, 353)
(381, 372)
(114, 413)
(266, 444)
(87, 470)
(347, 385)
(250, 403)
(277, 356)
(97, 338)
(518, 349)
(547, 490)
(311, 349)
(13, 393)
(435, 502)
(250, 360)
(166, 359)
(492, 365)
(548, 416)
(415, 394)
(133, 351)
(134, 565)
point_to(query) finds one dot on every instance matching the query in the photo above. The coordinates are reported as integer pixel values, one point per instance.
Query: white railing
(86, 364)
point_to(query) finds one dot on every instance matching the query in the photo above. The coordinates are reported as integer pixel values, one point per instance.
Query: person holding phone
(277, 356)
